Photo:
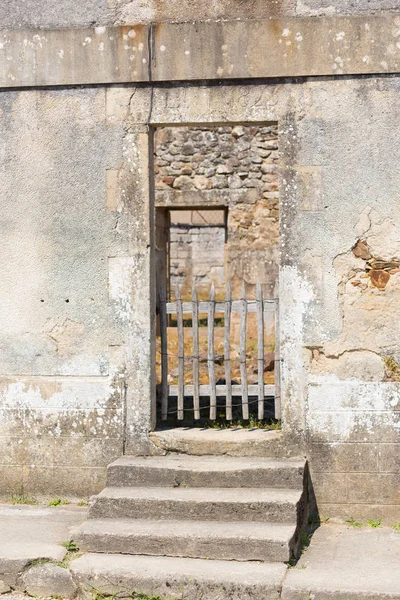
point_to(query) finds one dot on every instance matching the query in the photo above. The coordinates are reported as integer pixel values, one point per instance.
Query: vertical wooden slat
(195, 331)
(181, 353)
(243, 372)
(227, 351)
(164, 352)
(211, 354)
(277, 364)
(260, 350)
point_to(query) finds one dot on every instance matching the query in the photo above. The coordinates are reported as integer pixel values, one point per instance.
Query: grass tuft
(353, 523)
(70, 546)
(23, 499)
(374, 524)
(58, 502)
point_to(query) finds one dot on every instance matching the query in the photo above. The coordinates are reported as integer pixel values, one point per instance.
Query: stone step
(177, 578)
(269, 542)
(227, 442)
(204, 504)
(206, 471)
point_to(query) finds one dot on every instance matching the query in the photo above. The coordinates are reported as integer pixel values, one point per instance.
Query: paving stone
(49, 580)
(347, 563)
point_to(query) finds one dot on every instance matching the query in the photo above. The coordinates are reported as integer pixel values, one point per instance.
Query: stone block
(344, 458)
(117, 104)
(86, 452)
(55, 422)
(389, 458)
(112, 189)
(377, 488)
(49, 580)
(311, 187)
(67, 482)
(354, 426)
(11, 481)
(330, 487)
(389, 513)
(12, 421)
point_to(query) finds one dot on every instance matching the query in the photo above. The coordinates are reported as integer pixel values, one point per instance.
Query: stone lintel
(211, 50)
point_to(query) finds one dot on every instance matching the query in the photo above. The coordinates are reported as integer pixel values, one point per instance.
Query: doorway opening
(217, 261)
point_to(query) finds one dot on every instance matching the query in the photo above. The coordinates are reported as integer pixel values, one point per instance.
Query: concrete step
(206, 471)
(228, 442)
(268, 542)
(204, 504)
(177, 578)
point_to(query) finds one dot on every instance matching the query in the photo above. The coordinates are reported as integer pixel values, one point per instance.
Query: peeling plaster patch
(298, 295)
(60, 393)
(353, 411)
(163, 48)
(286, 32)
(368, 278)
(65, 336)
(100, 30)
(357, 364)
(340, 36)
(131, 33)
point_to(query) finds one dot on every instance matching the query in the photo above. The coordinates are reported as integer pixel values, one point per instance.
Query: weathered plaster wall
(62, 328)
(339, 296)
(46, 13)
(77, 226)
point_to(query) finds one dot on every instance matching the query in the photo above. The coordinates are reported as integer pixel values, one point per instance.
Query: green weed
(83, 503)
(353, 523)
(396, 526)
(374, 524)
(22, 499)
(70, 546)
(130, 595)
(58, 502)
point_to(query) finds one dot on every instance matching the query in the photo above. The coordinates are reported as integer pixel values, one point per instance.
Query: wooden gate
(189, 395)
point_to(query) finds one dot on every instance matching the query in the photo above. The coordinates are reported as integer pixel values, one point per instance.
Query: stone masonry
(209, 162)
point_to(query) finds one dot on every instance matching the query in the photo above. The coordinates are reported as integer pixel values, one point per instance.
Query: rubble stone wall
(203, 160)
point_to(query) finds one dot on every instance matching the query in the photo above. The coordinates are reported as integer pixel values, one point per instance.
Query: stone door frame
(206, 105)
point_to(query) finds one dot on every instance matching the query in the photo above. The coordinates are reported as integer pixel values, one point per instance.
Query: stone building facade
(80, 99)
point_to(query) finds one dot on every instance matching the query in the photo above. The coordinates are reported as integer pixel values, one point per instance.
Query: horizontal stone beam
(211, 50)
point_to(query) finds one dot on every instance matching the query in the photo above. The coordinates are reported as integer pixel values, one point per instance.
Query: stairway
(193, 527)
